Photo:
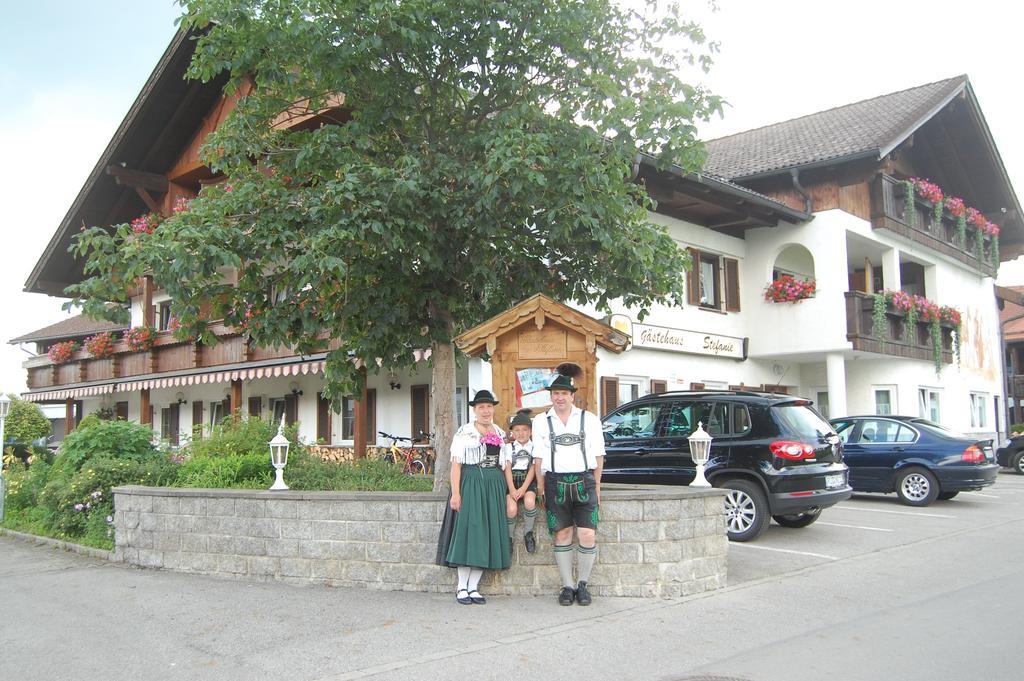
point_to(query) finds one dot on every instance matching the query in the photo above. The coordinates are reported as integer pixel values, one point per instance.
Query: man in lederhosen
(569, 450)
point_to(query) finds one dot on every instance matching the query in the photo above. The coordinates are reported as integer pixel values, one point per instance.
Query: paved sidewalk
(939, 608)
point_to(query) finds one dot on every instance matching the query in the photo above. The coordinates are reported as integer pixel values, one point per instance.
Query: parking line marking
(770, 548)
(856, 527)
(987, 496)
(879, 510)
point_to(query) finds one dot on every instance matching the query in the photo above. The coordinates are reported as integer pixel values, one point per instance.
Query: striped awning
(212, 377)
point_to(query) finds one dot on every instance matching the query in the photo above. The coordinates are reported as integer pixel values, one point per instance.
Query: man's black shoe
(531, 542)
(567, 596)
(582, 594)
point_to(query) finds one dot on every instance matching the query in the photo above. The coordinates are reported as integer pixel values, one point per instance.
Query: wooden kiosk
(525, 343)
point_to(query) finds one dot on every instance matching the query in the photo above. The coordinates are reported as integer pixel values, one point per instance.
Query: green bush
(24, 485)
(241, 436)
(26, 422)
(307, 472)
(251, 471)
(110, 439)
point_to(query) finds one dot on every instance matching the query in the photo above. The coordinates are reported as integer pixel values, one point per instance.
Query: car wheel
(746, 510)
(946, 496)
(1018, 463)
(798, 519)
(916, 487)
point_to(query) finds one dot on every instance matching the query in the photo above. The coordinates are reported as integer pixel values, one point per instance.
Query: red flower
(62, 352)
(139, 338)
(927, 189)
(100, 345)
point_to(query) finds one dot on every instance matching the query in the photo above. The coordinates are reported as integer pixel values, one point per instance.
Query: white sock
(474, 577)
(563, 559)
(585, 561)
(464, 571)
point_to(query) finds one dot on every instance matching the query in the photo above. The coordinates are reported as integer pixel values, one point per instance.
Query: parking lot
(867, 523)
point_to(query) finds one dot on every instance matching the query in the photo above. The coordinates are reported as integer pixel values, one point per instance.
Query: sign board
(680, 340)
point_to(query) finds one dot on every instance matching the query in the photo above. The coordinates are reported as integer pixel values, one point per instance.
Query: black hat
(522, 418)
(564, 373)
(482, 397)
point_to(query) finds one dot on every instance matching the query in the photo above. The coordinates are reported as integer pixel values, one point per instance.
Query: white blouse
(466, 447)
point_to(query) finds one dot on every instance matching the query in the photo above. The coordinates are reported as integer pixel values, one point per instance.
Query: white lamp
(279, 456)
(700, 449)
(5, 409)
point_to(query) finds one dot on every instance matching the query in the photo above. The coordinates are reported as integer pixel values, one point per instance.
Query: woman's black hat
(482, 397)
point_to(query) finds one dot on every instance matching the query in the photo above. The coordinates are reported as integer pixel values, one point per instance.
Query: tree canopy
(485, 151)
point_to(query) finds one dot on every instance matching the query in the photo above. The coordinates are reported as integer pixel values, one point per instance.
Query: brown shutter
(420, 410)
(173, 422)
(658, 387)
(121, 409)
(255, 407)
(696, 386)
(291, 409)
(323, 419)
(609, 394)
(732, 284)
(371, 415)
(693, 278)
(197, 419)
(225, 408)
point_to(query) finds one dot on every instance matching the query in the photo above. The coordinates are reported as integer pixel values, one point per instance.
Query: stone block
(263, 567)
(144, 540)
(426, 531)
(128, 520)
(399, 573)
(347, 510)
(401, 531)
(296, 567)
(662, 552)
(330, 530)
(165, 505)
(619, 553)
(420, 511)
(219, 543)
(384, 552)
(381, 510)
(362, 571)
(642, 530)
(709, 526)
(682, 571)
(327, 569)
(282, 508)
(662, 509)
(367, 530)
(547, 578)
(208, 524)
(175, 560)
(150, 559)
(150, 522)
(284, 548)
(713, 506)
(250, 508)
(434, 575)
(348, 550)
(644, 573)
(607, 530)
(264, 527)
(129, 555)
(192, 505)
(181, 523)
(295, 529)
(419, 554)
(678, 529)
(622, 510)
(233, 565)
(167, 542)
(320, 550)
(249, 546)
(220, 506)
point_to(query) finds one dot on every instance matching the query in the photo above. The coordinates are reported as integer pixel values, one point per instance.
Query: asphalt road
(873, 590)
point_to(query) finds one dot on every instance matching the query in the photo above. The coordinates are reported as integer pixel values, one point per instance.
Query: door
(872, 450)
(630, 436)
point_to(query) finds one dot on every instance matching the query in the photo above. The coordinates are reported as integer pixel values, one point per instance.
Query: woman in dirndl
(479, 539)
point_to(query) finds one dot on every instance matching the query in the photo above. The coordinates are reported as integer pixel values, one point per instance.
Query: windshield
(803, 422)
(936, 429)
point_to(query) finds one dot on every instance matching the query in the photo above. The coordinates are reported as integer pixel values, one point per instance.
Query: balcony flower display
(789, 289)
(101, 345)
(917, 308)
(956, 207)
(139, 338)
(62, 352)
(927, 189)
(963, 214)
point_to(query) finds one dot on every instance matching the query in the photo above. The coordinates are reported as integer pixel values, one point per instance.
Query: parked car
(917, 459)
(1012, 455)
(776, 455)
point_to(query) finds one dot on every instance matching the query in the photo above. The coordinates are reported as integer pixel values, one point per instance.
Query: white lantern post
(700, 450)
(5, 409)
(279, 456)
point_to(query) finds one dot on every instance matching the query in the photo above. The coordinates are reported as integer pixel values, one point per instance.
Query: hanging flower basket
(139, 338)
(789, 289)
(101, 345)
(62, 352)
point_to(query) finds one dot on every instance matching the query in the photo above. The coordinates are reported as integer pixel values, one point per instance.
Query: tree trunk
(442, 397)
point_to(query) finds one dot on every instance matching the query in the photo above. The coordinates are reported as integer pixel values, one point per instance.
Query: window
(629, 389)
(276, 409)
(163, 316)
(884, 431)
(461, 406)
(884, 403)
(216, 412)
(279, 293)
(928, 404)
(713, 281)
(420, 412)
(979, 410)
(348, 418)
(169, 418)
(822, 402)
(634, 422)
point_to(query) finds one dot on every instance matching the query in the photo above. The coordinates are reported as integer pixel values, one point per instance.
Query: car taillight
(789, 449)
(973, 455)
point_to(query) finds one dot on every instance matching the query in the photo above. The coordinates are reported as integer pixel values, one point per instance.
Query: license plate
(833, 481)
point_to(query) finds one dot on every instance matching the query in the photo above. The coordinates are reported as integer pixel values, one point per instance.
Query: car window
(679, 421)
(638, 421)
(718, 420)
(905, 434)
(936, 429)
(740, 419)
(801, 421)
(845, 430)
(883, 431)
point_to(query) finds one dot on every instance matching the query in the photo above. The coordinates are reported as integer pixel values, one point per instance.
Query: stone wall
(652, 541)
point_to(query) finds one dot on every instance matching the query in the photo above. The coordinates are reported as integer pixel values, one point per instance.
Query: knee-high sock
(531, 516)
(464, 577)
(586, 558)
(563, 559)
(511, 526)
(474, 578)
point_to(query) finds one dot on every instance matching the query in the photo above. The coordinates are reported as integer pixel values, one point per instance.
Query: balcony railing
(888, 211)
(899, 339)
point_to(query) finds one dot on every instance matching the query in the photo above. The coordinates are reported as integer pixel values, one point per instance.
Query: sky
(70, 70)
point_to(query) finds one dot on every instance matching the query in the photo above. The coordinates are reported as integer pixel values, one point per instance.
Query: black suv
(775, 453)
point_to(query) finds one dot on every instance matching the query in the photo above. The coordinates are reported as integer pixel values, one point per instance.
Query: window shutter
(693, 278)
(732, 284)
(173, 420)
(121, 409)
(609, 394)
(225, 408)
(197, 419)
(658, 387)
(291, 409)
(371, 415)
(323, 419)
(696, 386)
(420, 411)
(255, 406)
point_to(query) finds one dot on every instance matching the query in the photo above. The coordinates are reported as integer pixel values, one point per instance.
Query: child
(517, 460)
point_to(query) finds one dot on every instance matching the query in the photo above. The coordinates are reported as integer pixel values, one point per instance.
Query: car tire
(916, 487)
(746, 509)
(1018, 463)
(946, 496)
(797, 520)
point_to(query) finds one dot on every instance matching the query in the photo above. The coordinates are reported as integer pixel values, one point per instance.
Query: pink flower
(491, 438)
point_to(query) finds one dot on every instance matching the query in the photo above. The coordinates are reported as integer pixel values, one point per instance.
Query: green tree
(485, 151)
(25, 422)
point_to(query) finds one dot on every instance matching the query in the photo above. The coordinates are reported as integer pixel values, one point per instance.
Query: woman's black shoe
(567, 596)
(475, 596)
(463, 600)
(582, 594)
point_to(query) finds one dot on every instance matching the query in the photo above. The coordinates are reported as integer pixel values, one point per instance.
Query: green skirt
(480, 536)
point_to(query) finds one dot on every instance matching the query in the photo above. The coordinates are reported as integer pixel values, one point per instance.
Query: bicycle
(413, 463)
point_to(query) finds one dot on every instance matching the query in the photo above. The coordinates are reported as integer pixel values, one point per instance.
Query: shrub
(111, 439)
(250, 471)
(25, 422)
(241, 436)
(308, 472)
(24, 485)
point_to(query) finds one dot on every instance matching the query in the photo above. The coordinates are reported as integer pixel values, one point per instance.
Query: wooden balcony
(888, 211)
(899, 340)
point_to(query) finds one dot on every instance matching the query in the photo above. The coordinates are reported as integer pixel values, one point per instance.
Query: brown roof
(868, 128)
(73, 327)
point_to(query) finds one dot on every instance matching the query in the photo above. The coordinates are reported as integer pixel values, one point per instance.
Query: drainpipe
(794, 174)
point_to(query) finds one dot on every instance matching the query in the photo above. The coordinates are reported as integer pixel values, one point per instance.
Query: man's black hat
(564, 373)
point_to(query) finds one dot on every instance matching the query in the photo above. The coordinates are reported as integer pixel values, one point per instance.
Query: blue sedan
(919, 460)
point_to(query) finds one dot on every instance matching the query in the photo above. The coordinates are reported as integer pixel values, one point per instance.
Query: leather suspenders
(568, 439)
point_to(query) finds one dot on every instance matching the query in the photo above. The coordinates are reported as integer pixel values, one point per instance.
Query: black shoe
(582, 594)
(463, 600)
(531, 542)
(475, 596)
(567, 596)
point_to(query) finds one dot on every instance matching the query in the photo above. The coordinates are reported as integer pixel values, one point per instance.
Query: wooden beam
(69, 416)
(360, 436)
(145, 407)
(236, 396)
(138, 179)
(148, 313)
(148, 200)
